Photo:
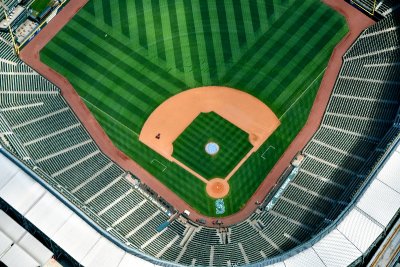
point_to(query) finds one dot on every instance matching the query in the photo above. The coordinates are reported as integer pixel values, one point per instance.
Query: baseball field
(126, 57)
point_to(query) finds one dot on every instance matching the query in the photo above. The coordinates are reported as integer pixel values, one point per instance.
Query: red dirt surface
(357, 22)
(217, 188)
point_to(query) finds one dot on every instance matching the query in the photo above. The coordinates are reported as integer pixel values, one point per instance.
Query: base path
(168, 121)
(174, 115)
(30, 54)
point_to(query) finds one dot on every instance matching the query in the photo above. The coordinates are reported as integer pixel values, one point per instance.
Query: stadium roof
(340, 245)
(58, 222)
(18, 247)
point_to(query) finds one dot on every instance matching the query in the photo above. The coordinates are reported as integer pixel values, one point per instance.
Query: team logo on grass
(219, 206)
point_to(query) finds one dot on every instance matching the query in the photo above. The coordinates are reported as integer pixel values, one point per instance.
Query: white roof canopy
(18, 247)
(343, 245)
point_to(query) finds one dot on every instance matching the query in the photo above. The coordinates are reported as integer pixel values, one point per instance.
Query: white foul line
(111, 117)
(164, 167)
(302, 94)
(262, 155)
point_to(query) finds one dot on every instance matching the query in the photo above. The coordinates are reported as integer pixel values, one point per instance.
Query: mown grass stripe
(95, 83)
(270, 9)
(224, 31)
(301, 52)
(201, 43)
(150, 30)
(89, 7)
(141, 23)
(205, 18)
(132, 22)
(252, 68)
(123, 48)
(313, 67)
(166, 29)
(106, 12)
(98, 10)
(175, 37)
(241, 30)
(265, 42)
(247, 21)
(318, 41)
(215, 32)
(288, 40)
(130, 71)
(112, 127)
(280, 8)
(285, 100)
(115, 16)
(183, 39)
(192, 38)
(232, 31)
(158, 29)
(264, 23)
(255, 16)
(123, 9)
(275, 46)
(109, 81)
(279, 57)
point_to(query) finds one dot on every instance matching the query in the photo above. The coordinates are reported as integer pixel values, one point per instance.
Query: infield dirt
(174, 115)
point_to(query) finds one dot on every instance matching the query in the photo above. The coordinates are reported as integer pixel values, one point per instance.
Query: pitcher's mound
(217, 188)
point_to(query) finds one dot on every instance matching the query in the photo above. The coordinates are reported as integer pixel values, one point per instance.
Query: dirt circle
(217, 188)
(211, 148)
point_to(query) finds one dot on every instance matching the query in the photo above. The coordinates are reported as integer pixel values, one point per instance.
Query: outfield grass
(189, 147)
(125, 57)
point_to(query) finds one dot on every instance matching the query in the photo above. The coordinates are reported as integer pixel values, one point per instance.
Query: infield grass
(125, 57)
(189, 147)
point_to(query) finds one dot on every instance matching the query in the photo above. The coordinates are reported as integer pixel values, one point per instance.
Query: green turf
(125, 57)
(189, 147)
(40, 5)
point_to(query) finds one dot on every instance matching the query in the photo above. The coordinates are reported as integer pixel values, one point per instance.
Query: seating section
(382, 7)
(369, 5)
(37, 125)
(9, 4)
(19, 83)
(385, 7)
(361, 119)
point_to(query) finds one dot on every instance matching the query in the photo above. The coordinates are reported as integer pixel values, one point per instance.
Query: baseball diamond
(137, 54)
(182, 127)
(210, 127)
